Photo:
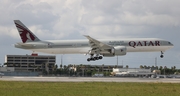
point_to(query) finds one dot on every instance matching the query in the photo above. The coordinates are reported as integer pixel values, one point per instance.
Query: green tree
(127, 66)
(115, 66)
(141, 66)
(103, 68)
(160, 68)
(145, 66)
(61, 66)
(156, 67)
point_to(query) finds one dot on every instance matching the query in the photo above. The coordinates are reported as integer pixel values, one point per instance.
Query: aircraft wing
(97, 45)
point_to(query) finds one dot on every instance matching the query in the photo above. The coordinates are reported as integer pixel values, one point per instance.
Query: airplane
(96, 48)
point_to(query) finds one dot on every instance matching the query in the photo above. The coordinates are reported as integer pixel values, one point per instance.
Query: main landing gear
(92, 58)
(162, 54)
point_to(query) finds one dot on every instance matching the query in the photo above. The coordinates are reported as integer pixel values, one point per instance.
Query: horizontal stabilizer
(25, 45)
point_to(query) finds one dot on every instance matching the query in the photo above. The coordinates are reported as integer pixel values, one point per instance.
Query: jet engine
(118, 50)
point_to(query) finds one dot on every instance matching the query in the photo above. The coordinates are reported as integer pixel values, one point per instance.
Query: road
(90, 79)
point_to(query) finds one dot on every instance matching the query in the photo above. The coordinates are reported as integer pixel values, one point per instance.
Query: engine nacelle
(118, 50)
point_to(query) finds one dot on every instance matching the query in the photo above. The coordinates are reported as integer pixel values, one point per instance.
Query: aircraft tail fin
(25, 34)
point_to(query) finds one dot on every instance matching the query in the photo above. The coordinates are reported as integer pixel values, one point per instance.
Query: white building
(132, 72)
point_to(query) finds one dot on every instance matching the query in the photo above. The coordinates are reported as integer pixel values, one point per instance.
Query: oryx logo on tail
(25, 34)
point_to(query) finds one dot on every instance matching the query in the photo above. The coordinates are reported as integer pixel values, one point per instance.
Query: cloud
(62, 18)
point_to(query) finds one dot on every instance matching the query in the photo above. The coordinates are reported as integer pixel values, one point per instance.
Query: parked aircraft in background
(96, 48)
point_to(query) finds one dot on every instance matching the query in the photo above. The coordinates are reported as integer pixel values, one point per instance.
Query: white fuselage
(83, 46)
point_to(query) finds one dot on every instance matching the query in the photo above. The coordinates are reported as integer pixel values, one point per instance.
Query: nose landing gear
(162, 54)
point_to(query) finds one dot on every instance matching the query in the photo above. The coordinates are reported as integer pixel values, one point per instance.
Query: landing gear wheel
(91, 59)
(161, 56)
(100, 57)
(88, 59)
(96, 58)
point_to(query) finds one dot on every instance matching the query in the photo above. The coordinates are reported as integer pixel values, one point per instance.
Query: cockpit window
(169, 42)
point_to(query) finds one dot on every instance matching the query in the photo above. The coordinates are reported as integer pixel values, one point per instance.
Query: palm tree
(127, 66)
(145, 66)
(65, 69)
(156, 67)
(115, 66)
(141, 66)
(174, 67)
(61, 66)
(160, 68)
(82, 67)
(165, 69)
(65, 66)
(103, 68)
(54, 67)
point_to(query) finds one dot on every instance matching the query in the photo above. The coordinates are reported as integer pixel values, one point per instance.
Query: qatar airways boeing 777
(96, 48)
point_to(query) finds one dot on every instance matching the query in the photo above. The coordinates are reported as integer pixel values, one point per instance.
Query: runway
(90, 79)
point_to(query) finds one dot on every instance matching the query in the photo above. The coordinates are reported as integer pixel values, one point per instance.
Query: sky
(101, 19)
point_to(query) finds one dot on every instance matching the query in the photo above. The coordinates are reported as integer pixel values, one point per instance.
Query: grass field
(12, 88)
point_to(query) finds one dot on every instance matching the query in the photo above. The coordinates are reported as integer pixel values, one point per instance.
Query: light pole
(117, 60)
(155, 61)
(62, 59)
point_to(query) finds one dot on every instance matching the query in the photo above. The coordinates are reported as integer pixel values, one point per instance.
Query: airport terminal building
(31, 63)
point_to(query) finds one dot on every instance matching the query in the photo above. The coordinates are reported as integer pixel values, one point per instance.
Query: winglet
(25, 34)
(86, 35)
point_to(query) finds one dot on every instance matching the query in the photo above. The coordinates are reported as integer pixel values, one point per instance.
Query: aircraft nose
(171, 45)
